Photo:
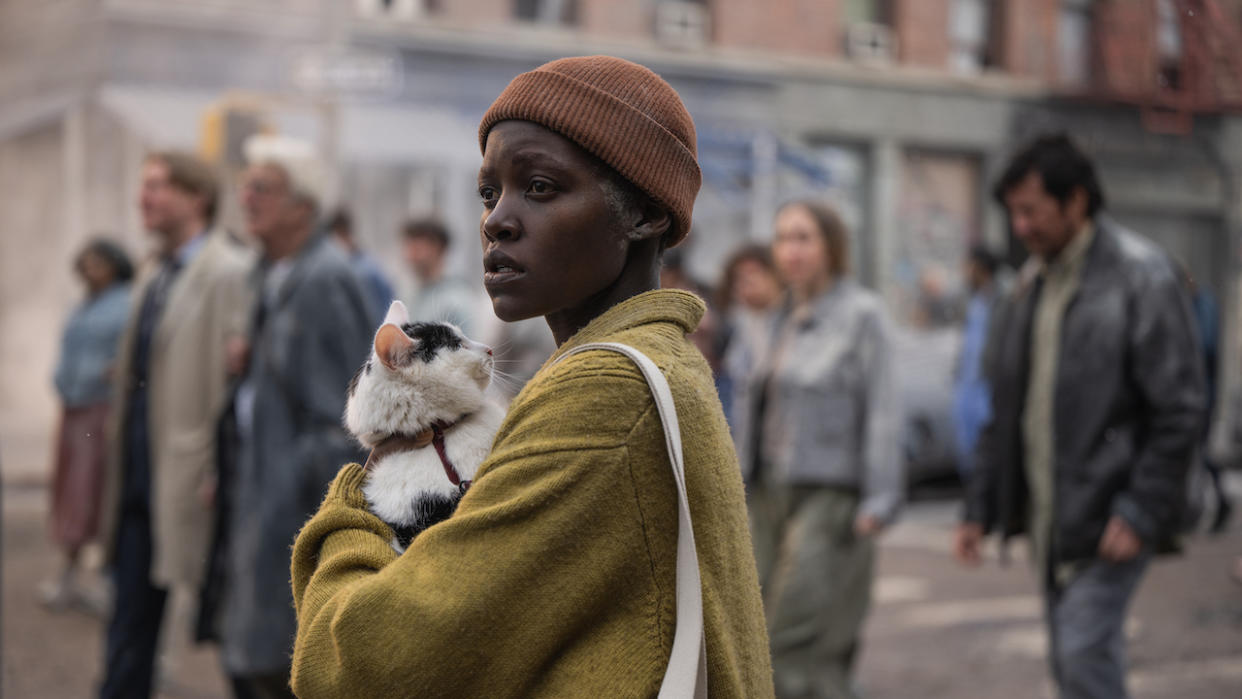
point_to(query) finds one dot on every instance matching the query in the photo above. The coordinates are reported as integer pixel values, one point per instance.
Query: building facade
(899, 112)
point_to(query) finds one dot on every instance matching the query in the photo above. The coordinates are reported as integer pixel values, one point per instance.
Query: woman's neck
(804, 295)
(641, 274)
(95, 290)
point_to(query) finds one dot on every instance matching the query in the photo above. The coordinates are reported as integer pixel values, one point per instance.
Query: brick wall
(475, 13)
(1028, 42)
(1125, 33)
(922, 32)
(634, 19)
(807, 27)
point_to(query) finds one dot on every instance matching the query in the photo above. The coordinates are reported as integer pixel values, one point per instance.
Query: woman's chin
(505, 309)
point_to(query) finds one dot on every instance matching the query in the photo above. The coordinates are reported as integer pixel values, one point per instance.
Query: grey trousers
(1086, 620)
(816, 580)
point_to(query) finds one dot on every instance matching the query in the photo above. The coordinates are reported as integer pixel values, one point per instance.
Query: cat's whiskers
(506, 380)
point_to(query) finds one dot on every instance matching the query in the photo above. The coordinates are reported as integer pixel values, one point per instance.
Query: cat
(420, 404)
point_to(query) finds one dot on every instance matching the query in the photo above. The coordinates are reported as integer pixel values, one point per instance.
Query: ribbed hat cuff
(636, 146)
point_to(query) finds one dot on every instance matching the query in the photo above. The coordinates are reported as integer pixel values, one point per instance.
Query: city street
(937, 630)
(940, 630)
(927, 233)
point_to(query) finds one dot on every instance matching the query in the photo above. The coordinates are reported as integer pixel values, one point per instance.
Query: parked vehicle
(925, 361)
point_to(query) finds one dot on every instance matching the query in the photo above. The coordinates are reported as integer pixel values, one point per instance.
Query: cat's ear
(397, 315)
(394, 348)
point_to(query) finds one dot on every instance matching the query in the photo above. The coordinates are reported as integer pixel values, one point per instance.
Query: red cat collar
(433, 435)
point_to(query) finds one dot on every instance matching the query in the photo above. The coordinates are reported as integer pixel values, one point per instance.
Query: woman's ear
(653, 222)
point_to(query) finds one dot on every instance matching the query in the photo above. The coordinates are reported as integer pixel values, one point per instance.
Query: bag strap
(686, 676)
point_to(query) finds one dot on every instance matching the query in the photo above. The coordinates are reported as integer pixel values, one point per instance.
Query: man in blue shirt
(971, 403)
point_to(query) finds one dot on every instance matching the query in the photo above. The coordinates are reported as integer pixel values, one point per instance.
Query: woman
(88, 350)
(555, 576)
(818, 444)
(748, 290)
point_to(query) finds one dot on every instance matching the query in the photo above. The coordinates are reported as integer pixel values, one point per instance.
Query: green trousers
(816, 579)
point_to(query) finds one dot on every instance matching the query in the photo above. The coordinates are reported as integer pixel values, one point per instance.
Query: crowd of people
(218, 371)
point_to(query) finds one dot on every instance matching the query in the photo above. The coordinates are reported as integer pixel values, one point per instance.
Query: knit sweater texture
(556, 575)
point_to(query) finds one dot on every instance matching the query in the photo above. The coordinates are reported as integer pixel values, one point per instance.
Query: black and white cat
(419, 404)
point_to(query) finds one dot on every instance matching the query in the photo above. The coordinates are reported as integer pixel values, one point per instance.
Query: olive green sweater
(555, 577)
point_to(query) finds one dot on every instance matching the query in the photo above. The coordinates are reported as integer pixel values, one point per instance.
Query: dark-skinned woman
(556, 574)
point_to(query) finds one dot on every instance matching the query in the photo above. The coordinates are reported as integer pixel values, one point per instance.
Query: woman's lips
(500, 275)
(499, 268)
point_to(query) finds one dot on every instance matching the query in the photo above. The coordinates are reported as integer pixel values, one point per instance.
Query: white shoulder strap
(686, 677)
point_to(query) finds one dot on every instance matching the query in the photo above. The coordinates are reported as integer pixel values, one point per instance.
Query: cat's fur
(420, 374)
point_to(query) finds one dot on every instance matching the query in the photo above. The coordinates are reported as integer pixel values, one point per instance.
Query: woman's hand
(967, 543)
(868, 525)
(236, 355)
(207, 491)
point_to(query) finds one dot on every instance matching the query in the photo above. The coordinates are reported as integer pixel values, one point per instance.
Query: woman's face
(95, 271)
(799, 249)
(755, 288)
(552, 244)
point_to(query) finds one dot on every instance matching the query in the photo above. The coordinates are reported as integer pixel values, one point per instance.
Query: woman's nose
(499, 224)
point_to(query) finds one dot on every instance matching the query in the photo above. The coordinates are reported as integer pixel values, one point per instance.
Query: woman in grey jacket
(817, 438)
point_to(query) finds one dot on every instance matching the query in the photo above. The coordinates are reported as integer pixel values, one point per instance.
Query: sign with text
(347, 71)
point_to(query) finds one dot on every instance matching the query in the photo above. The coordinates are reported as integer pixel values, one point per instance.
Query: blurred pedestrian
(749, 290)
(1207, 324)
(817, 435)
(521, 349)
(673, 275)
(556, 575)
(1097, 406)
(170, 380)
(374, 282)
(935, 306)
(438, 295)
(83, 380)
(310, 331)
(971, 399)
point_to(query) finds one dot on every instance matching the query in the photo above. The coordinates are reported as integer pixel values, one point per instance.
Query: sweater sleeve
(484, 602)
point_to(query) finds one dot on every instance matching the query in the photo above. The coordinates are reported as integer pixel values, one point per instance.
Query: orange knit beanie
(620, 112)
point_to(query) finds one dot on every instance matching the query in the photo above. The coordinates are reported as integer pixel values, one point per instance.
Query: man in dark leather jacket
(1098, 398)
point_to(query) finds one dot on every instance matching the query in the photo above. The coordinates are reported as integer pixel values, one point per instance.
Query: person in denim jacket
(817, 438)
(83, 379)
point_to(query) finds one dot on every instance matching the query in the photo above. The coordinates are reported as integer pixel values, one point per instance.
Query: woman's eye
(488, 195)
(540, 187)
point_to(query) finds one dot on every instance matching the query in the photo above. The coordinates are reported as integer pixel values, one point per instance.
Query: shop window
(970, 22)
(1074, 42)
(1168, 45)
(872, 11)
(397, 9)
(683, 23)
(869, 35)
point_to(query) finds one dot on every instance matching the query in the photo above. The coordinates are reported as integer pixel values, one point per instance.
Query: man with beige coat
(171, 383)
